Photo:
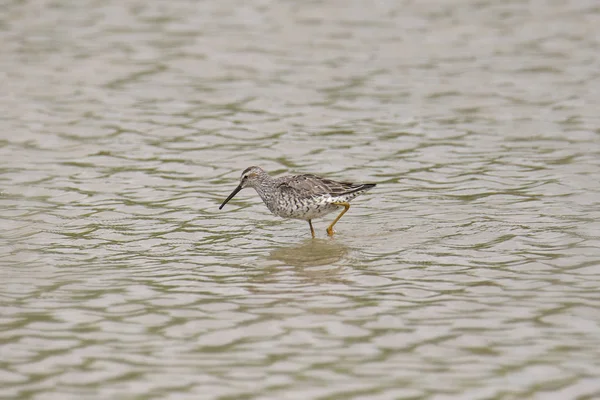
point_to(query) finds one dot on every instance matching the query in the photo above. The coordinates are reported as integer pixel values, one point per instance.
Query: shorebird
(304, 197)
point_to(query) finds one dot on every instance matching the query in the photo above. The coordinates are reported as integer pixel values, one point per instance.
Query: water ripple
(470, 272)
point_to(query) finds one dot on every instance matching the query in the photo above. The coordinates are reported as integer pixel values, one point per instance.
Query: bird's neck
(265, 189)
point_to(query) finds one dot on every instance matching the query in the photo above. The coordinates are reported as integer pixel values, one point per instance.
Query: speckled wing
(306, 186)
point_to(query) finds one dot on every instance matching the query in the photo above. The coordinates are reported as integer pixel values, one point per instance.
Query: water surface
(470, 272)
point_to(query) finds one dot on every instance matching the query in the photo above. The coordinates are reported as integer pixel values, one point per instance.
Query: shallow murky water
(470, 272)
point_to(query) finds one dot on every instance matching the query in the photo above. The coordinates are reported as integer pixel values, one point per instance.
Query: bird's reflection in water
(313, 260)
(311, 253)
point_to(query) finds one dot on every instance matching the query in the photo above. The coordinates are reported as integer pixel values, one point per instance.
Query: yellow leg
(312, 231)
(346, 207)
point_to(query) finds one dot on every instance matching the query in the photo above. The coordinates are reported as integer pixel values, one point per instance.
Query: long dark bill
(235, 191)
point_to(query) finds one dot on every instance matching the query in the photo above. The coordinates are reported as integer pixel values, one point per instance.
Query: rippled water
(471, 271)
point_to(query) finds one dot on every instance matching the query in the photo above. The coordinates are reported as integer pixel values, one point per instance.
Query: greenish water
(470, 272)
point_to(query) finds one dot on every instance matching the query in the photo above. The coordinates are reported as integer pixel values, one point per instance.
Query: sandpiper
(303, 197)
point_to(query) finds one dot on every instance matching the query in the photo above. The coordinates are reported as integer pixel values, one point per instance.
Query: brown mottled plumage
(300, 196)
